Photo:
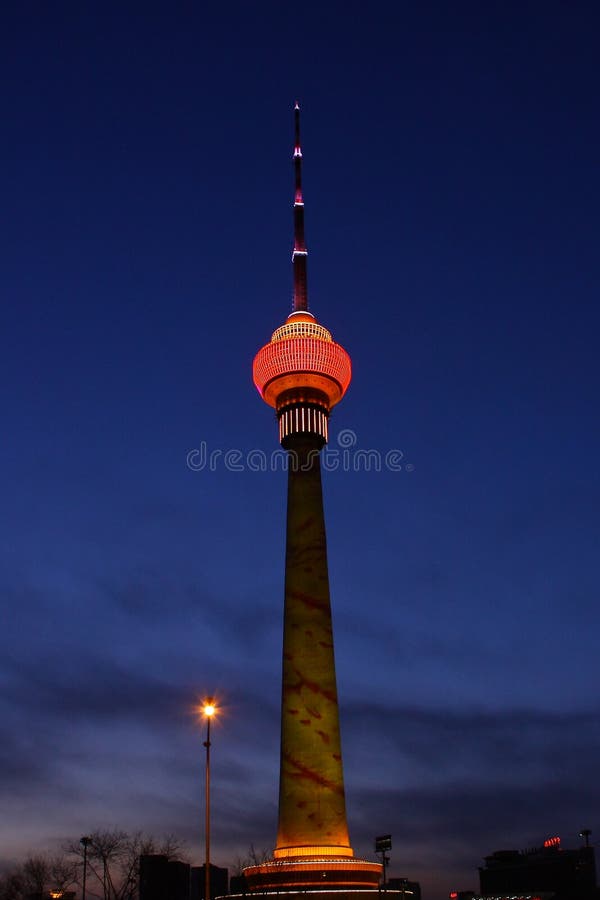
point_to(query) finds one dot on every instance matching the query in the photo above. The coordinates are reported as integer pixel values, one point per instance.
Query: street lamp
(85, 841)
(208, 710)
(383, 843)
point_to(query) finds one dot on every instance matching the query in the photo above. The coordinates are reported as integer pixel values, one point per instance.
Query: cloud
(443, 743)
(89, 688)
(454, 785)
(20, 763)
(226, 622)
(97, 719)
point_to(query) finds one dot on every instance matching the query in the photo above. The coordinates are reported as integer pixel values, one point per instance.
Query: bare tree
(173, 849)
(36, 874)
(62, 873)
(253, 857)
(113, 860)
(12, 885)
(104, 854)
(113, 869)
(135, 846)
(257, 857)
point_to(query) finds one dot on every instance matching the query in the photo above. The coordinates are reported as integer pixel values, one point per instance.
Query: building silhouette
(550, 871)
(219, 881)
(407, 890)
(162, 878)
(238, 884)
(302, 373)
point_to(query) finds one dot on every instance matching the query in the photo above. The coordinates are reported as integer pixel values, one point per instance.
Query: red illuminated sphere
(303, 362)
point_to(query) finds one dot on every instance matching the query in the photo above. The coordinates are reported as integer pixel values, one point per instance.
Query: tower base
(373, 893)
(313, 874)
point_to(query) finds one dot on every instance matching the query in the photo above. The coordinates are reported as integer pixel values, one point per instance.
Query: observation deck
(302, 373)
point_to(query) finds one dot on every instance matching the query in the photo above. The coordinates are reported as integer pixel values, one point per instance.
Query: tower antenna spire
(300, 252)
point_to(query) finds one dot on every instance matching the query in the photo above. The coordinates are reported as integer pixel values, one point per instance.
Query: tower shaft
(312, 810)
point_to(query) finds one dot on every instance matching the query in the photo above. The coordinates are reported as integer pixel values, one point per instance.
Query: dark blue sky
(452, 190)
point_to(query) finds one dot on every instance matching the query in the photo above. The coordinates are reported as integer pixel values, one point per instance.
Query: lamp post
(208, 709)
(85, 841)
(383, 843)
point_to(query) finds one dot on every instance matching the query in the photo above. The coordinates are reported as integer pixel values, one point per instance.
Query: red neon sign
(552, 842)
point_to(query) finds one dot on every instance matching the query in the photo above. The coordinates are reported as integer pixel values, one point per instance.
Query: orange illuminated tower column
(303, 373)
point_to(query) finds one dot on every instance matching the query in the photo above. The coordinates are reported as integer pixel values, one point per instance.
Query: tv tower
(302, 373)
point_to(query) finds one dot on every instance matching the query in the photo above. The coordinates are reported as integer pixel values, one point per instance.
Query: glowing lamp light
(209, 708)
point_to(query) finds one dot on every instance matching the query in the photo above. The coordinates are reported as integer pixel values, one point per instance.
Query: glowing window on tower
(301, 329)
